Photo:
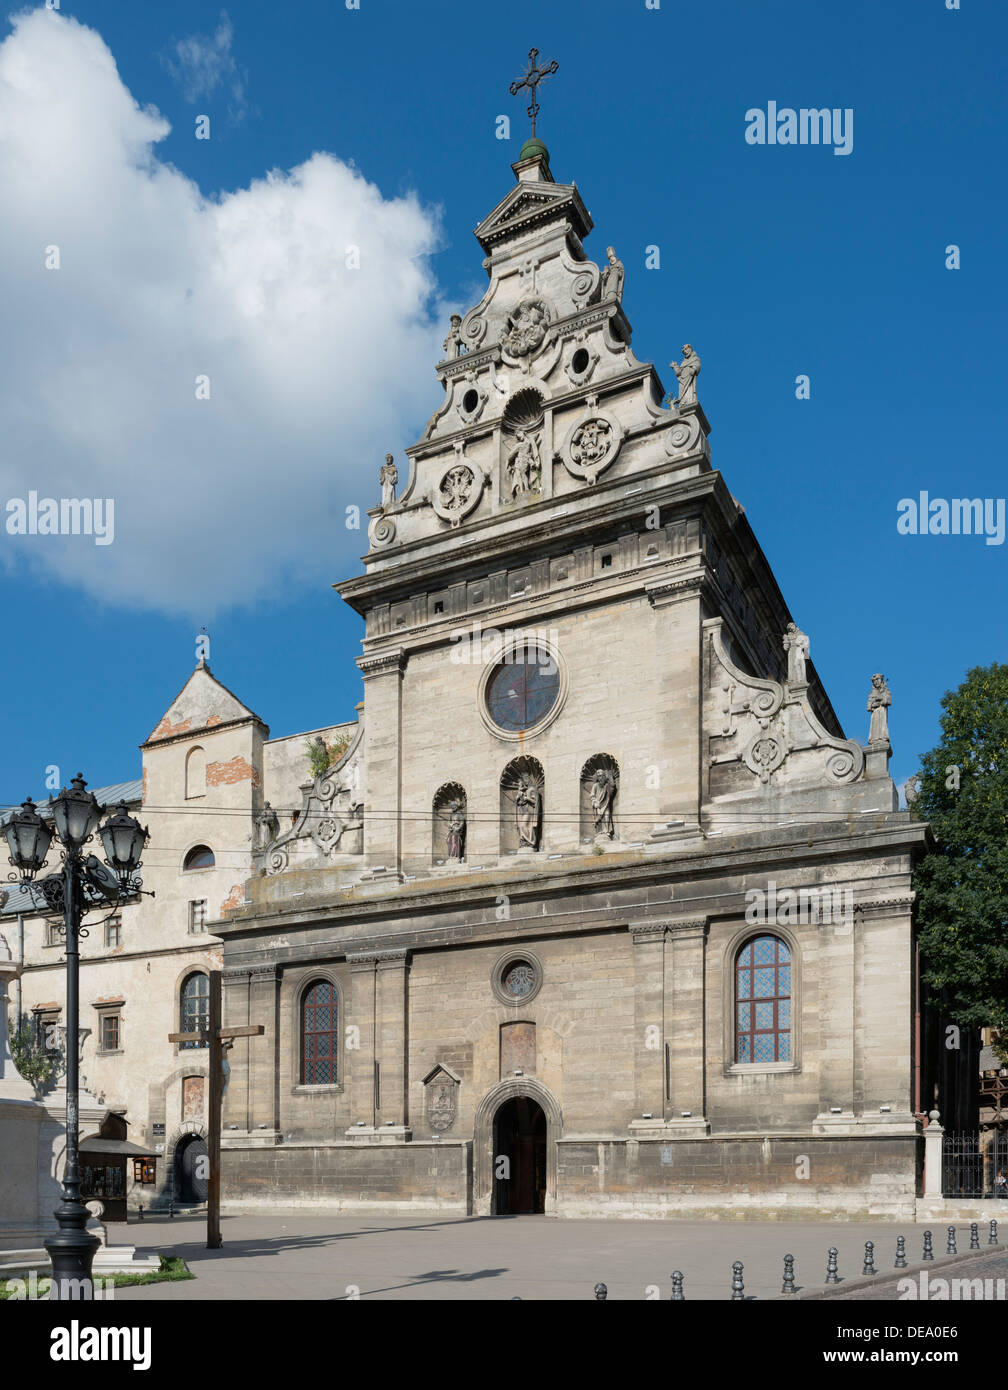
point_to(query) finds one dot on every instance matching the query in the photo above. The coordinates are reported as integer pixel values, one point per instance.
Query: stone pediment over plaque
(441, 1088)
(530, 204)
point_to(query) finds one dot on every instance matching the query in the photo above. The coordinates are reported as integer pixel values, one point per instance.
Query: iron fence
(975, 1165)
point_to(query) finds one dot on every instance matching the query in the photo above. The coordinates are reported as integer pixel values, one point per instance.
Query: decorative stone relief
(769, 727)
(382, 530)
(331, 820)
(524, 466)
(441, 1098)
(685, 437)
(457, 490)
(592, 444)
(527, 326)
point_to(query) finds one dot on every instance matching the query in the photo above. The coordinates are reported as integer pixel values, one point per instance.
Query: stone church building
(596, 910)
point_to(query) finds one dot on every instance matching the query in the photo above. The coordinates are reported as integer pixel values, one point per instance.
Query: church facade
(595, 910)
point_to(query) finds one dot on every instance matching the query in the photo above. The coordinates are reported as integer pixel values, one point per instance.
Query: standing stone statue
(267, 825)
(524, 466)
(686, 372)
(388, 477)
(602, 794)
(878, 707)
(456, 831)
(454, 345)
(796, 644)
(528, 811)
(613, 276)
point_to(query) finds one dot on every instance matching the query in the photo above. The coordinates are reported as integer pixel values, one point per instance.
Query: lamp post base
(72, 1251)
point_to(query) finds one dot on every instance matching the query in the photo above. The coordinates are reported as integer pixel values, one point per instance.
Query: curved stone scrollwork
(591, 445)
(683, 436)
(583, 286)
(457, 491)
(599, 790)
(330, 821)
(527, 326)
(382, 530)
(474, 327)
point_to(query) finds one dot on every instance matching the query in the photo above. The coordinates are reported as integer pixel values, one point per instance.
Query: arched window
(763, 1001)
(194, 1006)
(319, 1034)
(195, 773)
(199, 857)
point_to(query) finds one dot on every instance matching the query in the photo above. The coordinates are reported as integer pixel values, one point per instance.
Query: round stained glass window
(519, 979)
(523, 688)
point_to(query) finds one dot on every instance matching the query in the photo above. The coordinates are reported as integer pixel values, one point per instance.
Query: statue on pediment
(686, 372)
(613, 276)
(879, 701)
(388, 477)
(796, 644)
(267, 826)
(454, 344)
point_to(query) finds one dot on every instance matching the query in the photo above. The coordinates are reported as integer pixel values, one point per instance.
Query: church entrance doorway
(192, 1170)
(519, 1158)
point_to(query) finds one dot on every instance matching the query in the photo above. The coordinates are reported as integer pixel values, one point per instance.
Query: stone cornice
(676, 927)
(386, 957)
(383, 663)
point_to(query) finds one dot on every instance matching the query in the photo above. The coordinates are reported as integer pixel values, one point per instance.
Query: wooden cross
(220, 1040)
(533, 76)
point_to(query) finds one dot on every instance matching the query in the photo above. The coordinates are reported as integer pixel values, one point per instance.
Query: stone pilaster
(685, 1024)
(648, 1045)
(391, 1041)
(361, 1015)
(263, 1052)
(383, 678)
(837, 1024)
(236, 1011)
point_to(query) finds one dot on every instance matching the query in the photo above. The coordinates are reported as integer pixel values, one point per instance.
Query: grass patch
(172, 1268)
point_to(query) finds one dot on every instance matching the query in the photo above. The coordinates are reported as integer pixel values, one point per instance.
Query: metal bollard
(974, 1236)
(737, 1286)
(788, 1286)
(869, 1258)
(950, 1245)
(171, 1208)
(832, 1277)
(901, 1259)
(677, 1291)
(992, 1238)
(601, 1292)
(928, 1250)
(141, 1211)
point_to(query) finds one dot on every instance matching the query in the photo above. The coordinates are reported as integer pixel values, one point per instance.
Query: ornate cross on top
(533, 76)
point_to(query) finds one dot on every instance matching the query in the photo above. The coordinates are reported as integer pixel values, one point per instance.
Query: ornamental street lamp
(84, 883)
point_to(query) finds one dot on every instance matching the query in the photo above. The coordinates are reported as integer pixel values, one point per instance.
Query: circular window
(580, 360)
(470, 401)
(517, 977)
(523, 688)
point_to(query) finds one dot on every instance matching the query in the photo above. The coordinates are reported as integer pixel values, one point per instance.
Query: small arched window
(194, 1006)
(319, 1034)
(199, 857)
(195, 773)
(763, 1001)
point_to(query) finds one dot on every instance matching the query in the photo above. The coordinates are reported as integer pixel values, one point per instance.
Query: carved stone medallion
(528, 324)
(591, 446)
(441, 1095)
(457, 491)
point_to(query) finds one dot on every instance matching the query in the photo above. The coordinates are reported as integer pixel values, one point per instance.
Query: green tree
(962, 887)
(38, 1064)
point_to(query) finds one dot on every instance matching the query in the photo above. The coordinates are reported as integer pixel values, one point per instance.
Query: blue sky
(774, 262)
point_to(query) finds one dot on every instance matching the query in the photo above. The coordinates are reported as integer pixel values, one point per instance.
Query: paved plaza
(317, 1255)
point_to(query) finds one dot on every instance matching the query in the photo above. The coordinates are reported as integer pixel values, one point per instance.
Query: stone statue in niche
(686, 372)
(524, 466)
(796, 644)
(612, 277)
(528, 812)
(603, 793)
(456, 831)
(388, 477)
(527, 326)
(878, 707)
(267, 825)
(454, 344)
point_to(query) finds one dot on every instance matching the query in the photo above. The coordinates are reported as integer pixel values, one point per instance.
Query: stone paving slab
(300, 1255)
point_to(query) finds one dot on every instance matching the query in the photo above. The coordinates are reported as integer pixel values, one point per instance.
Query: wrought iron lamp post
(84, 883)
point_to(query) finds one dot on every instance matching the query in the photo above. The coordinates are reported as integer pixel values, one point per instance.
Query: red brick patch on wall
(238, 769)
(166, 729)
(235, 898)
(214, 719)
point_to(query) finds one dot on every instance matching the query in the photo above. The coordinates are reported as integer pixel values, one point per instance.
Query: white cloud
(315, 369)
(201, 63)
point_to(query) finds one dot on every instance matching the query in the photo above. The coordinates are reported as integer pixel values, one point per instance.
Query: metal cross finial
(533, 76)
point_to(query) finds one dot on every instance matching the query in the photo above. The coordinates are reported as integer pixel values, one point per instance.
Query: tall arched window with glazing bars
(194, 1006)
(319, 1034)
(763, 1001)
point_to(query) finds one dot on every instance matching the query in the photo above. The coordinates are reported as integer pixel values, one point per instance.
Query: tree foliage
(962, 888)
(38, 1064)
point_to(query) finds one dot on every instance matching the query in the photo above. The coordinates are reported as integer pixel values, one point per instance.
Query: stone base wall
(846, 1178)
(414, 1177)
